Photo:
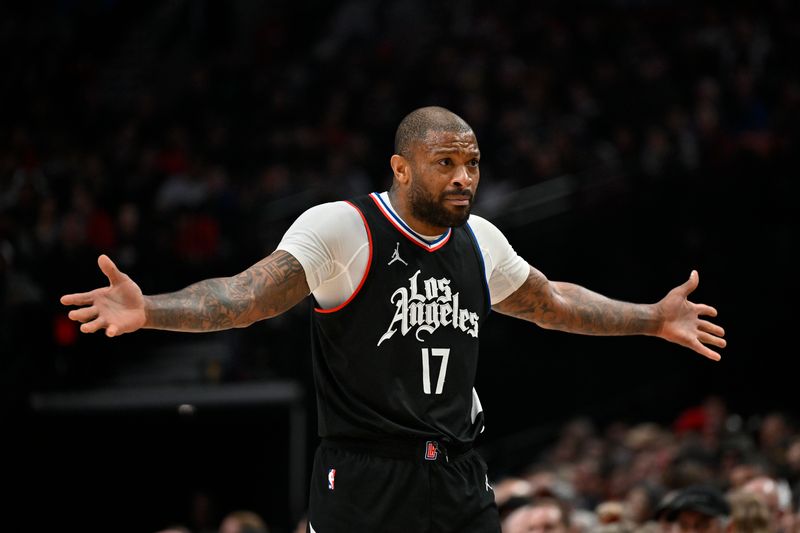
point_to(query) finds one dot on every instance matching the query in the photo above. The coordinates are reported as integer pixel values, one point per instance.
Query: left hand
(682, 323)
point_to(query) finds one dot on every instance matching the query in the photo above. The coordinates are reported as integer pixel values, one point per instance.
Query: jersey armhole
(477, 248)
(366, 269)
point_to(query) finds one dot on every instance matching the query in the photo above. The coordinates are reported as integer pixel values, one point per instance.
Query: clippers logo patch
(331, 478)
(431, 450)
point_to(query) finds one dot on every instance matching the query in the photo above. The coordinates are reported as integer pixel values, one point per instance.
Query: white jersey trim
(477, 408)
(402, 227)
(331, 243)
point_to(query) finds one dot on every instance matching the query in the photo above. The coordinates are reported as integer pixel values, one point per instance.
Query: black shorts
(394, 488)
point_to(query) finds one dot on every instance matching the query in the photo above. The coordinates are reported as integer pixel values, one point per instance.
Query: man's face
(545, 519)
(535, 519)
(694, 522)
(444, 178)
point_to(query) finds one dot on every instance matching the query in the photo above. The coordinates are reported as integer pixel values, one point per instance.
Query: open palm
(118, 308)
(683, 325)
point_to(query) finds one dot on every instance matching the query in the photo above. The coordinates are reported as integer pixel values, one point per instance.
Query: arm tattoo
(266, 289)
(569, 307)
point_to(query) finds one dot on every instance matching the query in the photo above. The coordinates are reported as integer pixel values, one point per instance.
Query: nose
(461, 177)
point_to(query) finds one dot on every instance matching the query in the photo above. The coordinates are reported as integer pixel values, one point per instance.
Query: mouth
(459, 199)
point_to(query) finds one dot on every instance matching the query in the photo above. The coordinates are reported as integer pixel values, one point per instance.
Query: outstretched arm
(569, 307)
(266, 289)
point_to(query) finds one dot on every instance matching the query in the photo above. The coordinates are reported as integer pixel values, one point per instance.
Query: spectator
(243, 521)
(700, 508)
(175, 529)
(749, 514)
(542, 515)
(777, 496)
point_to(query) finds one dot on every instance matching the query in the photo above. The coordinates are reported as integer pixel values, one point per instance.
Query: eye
(445, 162)
(474, 163)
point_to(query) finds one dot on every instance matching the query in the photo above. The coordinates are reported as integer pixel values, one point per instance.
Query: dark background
(624, 143)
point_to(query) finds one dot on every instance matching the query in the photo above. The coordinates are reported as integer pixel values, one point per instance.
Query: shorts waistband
(427, 450)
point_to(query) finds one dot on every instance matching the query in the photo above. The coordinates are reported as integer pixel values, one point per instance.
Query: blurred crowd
(180, 138)
(236, 521)
(710, 470)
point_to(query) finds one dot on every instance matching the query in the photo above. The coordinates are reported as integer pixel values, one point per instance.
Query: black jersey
(398, 359)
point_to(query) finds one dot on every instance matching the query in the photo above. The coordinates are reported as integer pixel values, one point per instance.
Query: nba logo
(331, 478)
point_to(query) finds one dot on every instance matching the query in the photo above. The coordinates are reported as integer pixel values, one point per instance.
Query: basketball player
(402, 282)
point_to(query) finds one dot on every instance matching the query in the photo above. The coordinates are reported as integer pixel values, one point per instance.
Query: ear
(400, 168)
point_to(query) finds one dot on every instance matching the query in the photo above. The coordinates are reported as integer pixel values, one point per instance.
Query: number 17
(444, 353)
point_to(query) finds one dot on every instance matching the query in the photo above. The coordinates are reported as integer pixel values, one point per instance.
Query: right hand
(118, 308)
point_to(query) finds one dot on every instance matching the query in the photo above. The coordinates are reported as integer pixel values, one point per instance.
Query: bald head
(417, 124)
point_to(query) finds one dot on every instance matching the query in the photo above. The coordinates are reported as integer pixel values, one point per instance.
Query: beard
(430, 209)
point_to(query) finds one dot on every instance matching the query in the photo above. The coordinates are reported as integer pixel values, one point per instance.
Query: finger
(112, 331)
(705, 338)
(705, 351)
(110, 269)
(94, 325)
(706, 310)
(713, 329)
(84, 314)
(78, 298)
(691, 283)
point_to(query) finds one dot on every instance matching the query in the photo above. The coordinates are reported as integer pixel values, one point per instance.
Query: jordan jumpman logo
(396, 256)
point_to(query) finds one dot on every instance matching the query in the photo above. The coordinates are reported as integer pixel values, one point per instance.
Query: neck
(402, 207)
